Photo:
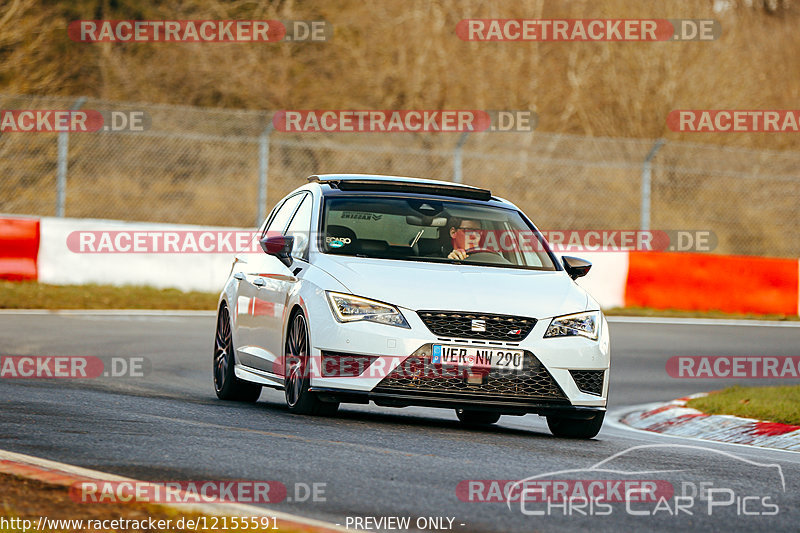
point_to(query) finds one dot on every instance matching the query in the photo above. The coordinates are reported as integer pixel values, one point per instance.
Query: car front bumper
(388, 348)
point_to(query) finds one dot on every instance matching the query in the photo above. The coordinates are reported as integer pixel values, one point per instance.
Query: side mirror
(279, 246)
(576, 267)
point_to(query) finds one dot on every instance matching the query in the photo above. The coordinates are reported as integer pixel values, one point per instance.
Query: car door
(256, 310)
(274, 294)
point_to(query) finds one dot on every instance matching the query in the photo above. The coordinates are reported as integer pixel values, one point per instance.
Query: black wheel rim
(223, 348)
(296, 357)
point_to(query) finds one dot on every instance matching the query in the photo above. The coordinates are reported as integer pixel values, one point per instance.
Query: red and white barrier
(695, 281)
(37, 249)
(19, 248)
(59, 265)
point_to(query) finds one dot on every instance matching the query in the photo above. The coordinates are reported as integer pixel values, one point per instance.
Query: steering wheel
(479, 250)
(485, 256)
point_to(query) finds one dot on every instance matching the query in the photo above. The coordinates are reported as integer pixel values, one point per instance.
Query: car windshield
(430, 229)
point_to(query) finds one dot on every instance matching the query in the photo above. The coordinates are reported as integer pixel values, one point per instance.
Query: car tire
(469, 417)
(297, 378)
(226, 384)
(574, 428)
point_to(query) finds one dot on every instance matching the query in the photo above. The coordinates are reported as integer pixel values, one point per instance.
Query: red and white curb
(55, 473)
(675, 419)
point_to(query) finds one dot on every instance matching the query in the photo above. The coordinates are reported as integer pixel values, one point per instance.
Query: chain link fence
(227, 167)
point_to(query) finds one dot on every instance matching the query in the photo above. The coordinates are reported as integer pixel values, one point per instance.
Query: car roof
(383, 183)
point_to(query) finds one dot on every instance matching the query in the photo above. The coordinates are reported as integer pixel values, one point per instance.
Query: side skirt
(254, 375)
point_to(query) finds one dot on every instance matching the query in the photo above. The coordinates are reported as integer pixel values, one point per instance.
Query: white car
(404, 291)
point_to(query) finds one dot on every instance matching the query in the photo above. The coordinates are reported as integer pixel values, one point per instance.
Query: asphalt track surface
(381, 462)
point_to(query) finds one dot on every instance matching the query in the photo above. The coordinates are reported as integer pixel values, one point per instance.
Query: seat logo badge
(478, 325)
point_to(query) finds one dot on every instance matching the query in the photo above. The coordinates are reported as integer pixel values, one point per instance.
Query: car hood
(419, 285)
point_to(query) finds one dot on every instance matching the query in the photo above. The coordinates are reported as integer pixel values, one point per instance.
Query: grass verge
(773, 404)
(32, 295)
(27, 499)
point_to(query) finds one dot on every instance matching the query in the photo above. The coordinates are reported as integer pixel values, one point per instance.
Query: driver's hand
(458, 255)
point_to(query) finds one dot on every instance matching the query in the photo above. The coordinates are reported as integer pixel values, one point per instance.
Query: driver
(459, 228)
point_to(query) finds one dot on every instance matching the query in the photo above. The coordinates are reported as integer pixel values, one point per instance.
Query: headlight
(585, 324)
(349, 308)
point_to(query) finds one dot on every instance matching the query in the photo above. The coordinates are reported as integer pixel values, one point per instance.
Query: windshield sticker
(360, 215)
(336, 242)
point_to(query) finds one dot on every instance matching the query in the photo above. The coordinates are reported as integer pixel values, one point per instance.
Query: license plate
(477, 357)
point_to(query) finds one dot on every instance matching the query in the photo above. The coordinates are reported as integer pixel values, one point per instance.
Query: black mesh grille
(459, 325)
(589, 381)
(347, 365)
(417, 373)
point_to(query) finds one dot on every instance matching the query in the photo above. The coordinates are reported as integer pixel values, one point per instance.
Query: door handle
(259, 282)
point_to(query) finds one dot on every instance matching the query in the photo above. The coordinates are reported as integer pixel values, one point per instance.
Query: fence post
(61, 166)
(457, 177)
(644, 224)
(263, 170)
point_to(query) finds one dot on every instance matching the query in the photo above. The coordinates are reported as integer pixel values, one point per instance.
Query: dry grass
(388, 54)
(32, 295)
(773, 404)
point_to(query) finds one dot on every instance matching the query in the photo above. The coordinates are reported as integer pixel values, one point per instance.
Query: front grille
(417, 374)
(589, 381)
(460, 325)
